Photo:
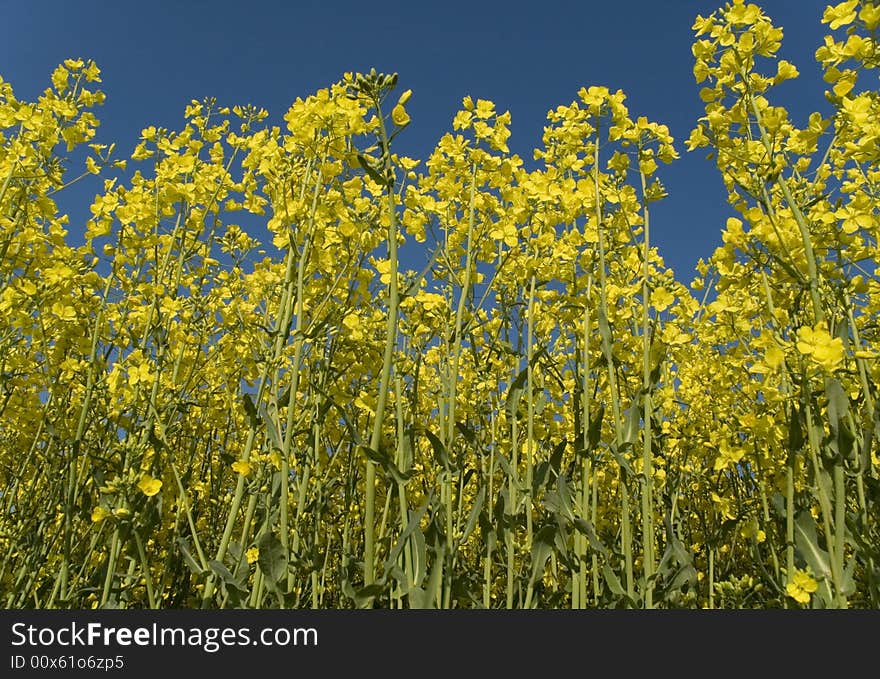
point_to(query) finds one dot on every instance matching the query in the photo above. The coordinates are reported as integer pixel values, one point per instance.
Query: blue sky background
(527, 57)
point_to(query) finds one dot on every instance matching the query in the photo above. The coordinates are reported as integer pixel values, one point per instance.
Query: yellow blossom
(801, 586)
(149, 486)
(242, 467)
(400, 116)
(817, 343)
(99, 513)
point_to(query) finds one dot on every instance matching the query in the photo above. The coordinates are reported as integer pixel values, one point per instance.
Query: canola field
(234, 394)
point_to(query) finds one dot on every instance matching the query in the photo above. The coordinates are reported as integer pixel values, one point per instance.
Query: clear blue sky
(526, 56)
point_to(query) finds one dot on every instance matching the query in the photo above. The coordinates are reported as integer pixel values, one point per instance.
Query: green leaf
(425, 598)
(564, 491)
(686, 575)
(612, 580)
(468, 433)
(272, 432)
(838, 408)
(188, 559)
(439, 449)
(412, 527)
(848, 587)
(364, 597)
(384, 460)
(272, 559)
(556, 456)
(621, 460)
(604, 330)
(594, 433)
(370, 170)
(559, 501)
(542, 548)
(515, 391)
(420, 556)
(251, 410)
(632, 423)
(808, 546)
(509, 471)
(473, 515)
(284, 400)
(232, 587)
(542, 475)
(838, 402)
(795, 431)
(586, 528)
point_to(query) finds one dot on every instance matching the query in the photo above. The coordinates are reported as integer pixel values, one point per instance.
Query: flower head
(802, 585)
(400, 116)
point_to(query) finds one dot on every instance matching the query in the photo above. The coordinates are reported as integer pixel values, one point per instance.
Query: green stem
(647, 459)
(387, 361)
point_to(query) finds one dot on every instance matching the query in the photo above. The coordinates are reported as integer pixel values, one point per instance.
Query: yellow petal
(399, 116)
(99, 514)
(242, 467)
(149, 486)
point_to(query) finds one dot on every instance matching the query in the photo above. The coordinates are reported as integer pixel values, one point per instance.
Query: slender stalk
(393, 302)
(647, 458)
(608, 350)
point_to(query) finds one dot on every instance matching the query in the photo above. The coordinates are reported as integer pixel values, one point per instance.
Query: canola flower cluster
(232, 394)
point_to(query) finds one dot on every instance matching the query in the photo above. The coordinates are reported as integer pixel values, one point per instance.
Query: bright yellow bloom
(661, 298)
(252, 554)
(774, 357)
(149, 486)
(242, 467)
(99, 514)
(140, 374)
(818, 344)
(840, 15)
(870, 14)
(728, 456)
(64, 311)
(352, 323)
(802, 585)
(400, 116)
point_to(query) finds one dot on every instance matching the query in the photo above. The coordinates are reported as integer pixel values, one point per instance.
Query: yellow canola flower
(99, 514)
(802, 585)
(65, 312)
(753, 530)
(817, 343)
(774, 357)
(840, 15)
(870, 14)
(242, 467)
(400, 116)
(785, 70)
(352, 323)
(252, 554)
(661, 299)
(140, 374)
(149, 486)
(727, 456)
(741, 14)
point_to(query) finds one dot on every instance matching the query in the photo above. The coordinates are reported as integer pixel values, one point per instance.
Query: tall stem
(387, 361)
(647, 461)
